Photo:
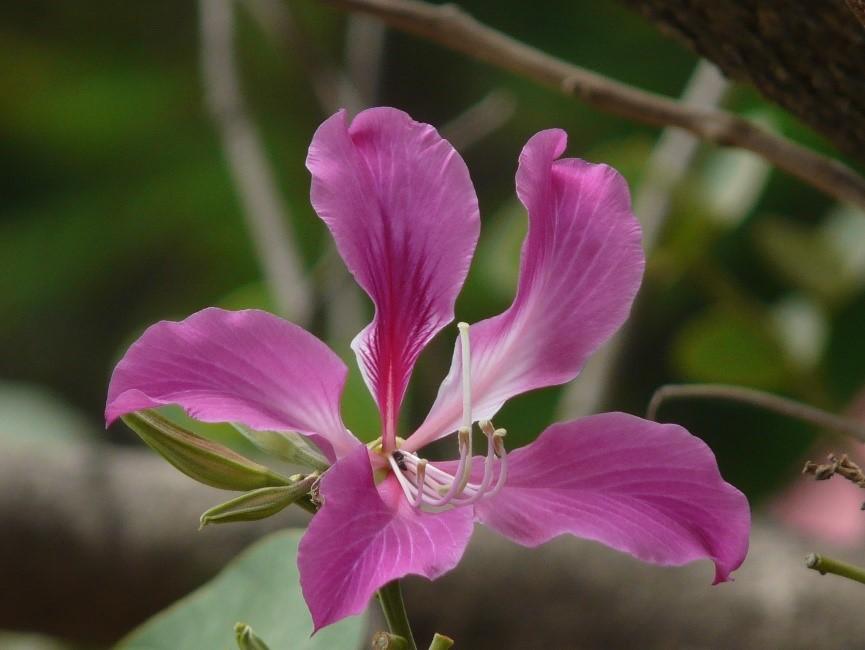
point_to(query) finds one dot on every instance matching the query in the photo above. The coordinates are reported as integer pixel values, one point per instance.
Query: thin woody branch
(843, 467)
(451, 27)
(758, 399)
(858, 9)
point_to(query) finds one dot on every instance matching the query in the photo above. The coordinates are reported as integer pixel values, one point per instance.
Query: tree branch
(757, 399)
(453, 28)
(266, 214)
(858, 9)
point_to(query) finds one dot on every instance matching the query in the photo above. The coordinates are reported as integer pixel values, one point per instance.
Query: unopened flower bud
(247, 639)
(258, 504)
(205, 461)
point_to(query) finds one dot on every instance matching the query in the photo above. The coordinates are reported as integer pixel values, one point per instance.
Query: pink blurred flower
(401, 207)
(829, 511)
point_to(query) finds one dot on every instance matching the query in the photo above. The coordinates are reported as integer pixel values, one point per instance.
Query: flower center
(431, 488)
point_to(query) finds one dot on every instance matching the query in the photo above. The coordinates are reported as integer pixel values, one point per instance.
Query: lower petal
(648, 489)
(365, 535)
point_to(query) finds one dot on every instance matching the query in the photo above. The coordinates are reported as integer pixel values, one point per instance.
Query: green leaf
(260, 588)
(206, 461)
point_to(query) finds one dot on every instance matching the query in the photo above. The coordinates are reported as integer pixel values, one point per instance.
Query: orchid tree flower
(402, 210)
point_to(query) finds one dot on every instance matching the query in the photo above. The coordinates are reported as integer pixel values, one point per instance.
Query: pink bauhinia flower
(401, 207)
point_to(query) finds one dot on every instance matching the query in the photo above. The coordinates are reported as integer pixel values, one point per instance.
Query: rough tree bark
(809, 57)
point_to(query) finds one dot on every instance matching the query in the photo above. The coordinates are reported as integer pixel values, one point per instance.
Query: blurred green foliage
(118, 211)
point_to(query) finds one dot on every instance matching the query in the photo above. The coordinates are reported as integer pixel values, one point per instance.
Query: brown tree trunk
(809, 57)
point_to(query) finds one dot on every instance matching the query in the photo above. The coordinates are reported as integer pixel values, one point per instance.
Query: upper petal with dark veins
(401, 206)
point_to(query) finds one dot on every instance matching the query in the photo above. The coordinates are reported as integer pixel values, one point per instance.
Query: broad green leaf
(260, 588)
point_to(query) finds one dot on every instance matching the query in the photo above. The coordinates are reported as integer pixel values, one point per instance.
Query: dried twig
(266, 215)
(841, 466)
(759, 399)
(453, 28)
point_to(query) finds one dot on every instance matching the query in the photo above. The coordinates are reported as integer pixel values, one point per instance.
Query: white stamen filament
(467, 374)
(432, 489)
(420, 479)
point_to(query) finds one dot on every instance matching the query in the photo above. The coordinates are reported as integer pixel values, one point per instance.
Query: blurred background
(148, 150)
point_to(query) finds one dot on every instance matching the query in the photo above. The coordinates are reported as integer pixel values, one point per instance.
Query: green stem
(441, 642)
(390, 599)
(388, 641)
(826, 565)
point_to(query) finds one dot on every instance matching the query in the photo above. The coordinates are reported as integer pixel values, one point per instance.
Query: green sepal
(258, 504)
(205, 461)
(246, 638)
(289, 446)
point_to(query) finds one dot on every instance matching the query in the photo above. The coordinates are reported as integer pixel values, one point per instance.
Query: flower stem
(826, 565)
(393, 607)
(441, 642)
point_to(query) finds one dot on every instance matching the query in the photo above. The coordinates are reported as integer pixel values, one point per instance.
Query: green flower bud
(258, 504)
(246, 638)
(205, 461)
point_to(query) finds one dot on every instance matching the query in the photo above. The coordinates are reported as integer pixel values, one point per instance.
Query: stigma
(432, 489)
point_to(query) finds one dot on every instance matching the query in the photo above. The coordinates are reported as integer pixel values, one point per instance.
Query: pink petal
(648, 489)
(248, 367)
(581, 267)
(401, 206)
(363, 537)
